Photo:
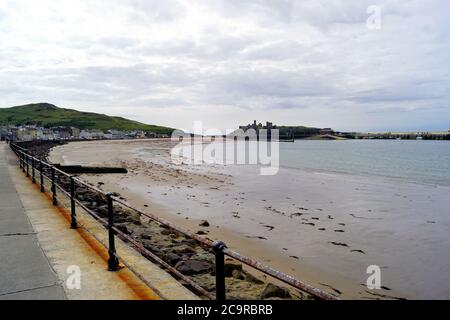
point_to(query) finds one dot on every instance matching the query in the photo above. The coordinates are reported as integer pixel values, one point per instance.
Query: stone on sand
(274, 291)
(191, 267)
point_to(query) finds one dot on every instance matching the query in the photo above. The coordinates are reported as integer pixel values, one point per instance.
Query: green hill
(48, 115)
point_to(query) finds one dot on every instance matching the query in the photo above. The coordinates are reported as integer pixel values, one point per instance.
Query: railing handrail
(236, 255)
(216, 245)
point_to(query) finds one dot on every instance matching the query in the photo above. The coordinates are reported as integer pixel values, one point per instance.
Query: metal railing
(49, 172)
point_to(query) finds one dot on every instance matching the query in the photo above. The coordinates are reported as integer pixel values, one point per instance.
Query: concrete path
(37, 247)
(25, 272)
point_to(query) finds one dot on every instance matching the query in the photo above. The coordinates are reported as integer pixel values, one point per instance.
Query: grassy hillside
(48, 115)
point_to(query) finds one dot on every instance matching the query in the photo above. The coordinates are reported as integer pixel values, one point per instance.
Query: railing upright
(23, 161)
(218, 247)
(27, 157)
(73, 223)
(55, 201)
(113, 261)
(33, 173)
(41, 172)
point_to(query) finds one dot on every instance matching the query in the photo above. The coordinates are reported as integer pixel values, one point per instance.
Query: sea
(420, 161)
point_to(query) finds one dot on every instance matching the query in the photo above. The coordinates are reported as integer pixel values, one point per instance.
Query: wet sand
(322, 228)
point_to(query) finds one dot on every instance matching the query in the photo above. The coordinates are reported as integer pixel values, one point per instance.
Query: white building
(84, 134)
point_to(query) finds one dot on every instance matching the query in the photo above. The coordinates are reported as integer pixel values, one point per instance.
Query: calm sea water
(420, 161)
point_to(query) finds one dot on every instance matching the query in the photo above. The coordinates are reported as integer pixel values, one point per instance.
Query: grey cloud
(213, 48)
(316, 12)
(314, 57)
(155, 10)
(286, 105)
(274, 83)
(393, 95)
(121, 43)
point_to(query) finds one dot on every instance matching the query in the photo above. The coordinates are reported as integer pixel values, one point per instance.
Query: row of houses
(32, 132)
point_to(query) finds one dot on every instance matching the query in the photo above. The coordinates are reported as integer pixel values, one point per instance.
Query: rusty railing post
(41, 171)
(113, 261)
(23, 161)
(33, 173)
(27, 157)
(55, 201)
(20, 159)
(218, 247)
(73, 223)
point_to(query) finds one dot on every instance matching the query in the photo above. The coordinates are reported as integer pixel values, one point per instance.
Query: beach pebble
(230, 266)
(191, 242)
(251, 278)
(204, 223)
(183, 249)
(172, 258)
(124, 228)
(274, 291)
(191, 267)
(167, 232)
(238, 275)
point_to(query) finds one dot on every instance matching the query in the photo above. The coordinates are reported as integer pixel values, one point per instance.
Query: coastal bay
(321, 226)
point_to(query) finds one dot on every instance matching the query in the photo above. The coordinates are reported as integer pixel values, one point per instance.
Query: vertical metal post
(41, 170)
(27, 157)
(20, 160)
(33, 174)
(23, 161)
(218, 247)
(55, 201)
(73, 223)
(113, 262)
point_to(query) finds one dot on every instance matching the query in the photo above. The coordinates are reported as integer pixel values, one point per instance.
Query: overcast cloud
(227, 62)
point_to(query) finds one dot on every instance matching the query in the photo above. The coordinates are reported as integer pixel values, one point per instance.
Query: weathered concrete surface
(25, 273)
(65, 247)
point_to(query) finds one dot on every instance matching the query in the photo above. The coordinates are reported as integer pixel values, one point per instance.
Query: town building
(326, 131)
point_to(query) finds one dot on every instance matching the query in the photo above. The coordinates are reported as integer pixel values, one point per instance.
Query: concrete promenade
(25, 272)
(38, 250)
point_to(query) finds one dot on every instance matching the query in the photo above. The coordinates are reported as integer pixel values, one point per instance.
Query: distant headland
(311, 133)
(45, 121)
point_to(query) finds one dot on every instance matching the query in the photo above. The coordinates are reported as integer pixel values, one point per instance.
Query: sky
(325, 63)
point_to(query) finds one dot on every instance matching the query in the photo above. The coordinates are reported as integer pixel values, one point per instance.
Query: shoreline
(246, 245)
(260, 228)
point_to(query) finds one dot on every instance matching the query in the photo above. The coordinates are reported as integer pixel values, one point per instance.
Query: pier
(404, 135)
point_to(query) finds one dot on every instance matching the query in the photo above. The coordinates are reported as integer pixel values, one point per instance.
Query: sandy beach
(322, 228)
